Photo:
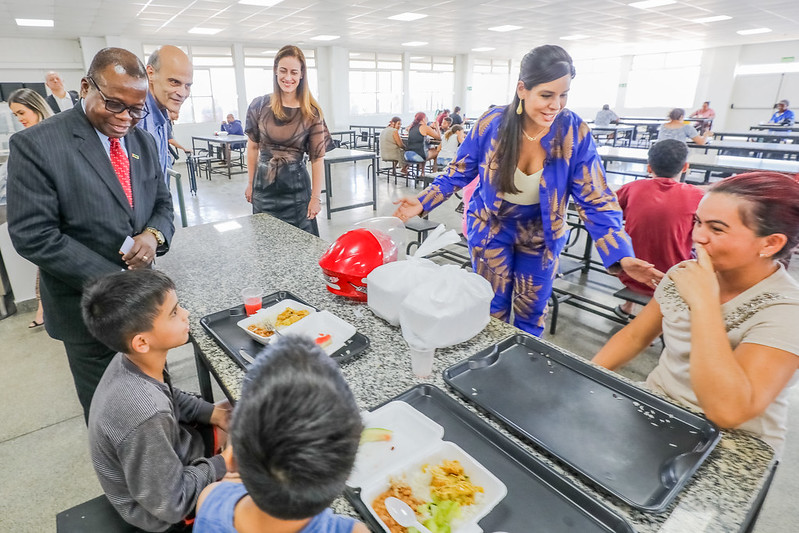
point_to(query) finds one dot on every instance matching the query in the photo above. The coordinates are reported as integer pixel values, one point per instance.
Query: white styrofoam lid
(412, 434)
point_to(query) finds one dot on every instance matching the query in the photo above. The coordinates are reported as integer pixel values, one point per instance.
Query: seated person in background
(729, 317)
(456, 116)
(450, 141)
(233, 127)
(782, 116)
(606, 116)
(675, 128)
(295, 432)
(441, 116)
(391, 145)
(706, 113)
(659, 213)
(446, 124)
(151, 444)
(418, 149)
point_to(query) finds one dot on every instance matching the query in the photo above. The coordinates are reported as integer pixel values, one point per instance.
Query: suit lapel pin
(134, 156)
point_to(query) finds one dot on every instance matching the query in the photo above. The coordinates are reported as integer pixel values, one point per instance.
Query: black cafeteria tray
(637, 446)
(231, 338)
(538, 499)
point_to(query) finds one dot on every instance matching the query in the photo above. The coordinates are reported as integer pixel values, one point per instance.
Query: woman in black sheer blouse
(282, 127)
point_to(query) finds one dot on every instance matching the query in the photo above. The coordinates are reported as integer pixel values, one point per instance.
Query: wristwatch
(158, 235)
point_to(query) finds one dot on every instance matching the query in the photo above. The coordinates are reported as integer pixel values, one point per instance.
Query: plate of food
(446, 487)
(262, 325)
(326, 329)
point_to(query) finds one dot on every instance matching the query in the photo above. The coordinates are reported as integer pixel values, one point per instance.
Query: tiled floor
(44, 461)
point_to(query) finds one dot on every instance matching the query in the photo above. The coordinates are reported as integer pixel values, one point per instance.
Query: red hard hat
(351, 258)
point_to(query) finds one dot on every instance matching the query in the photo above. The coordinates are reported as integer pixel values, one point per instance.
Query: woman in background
(529, 158)
(418, 149)
(450, 142)
(283, 127)
(675, 128)
(391, 145)
(729, 317)
(30, 108)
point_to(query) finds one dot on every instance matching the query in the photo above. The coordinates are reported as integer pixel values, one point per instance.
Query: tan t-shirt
(765, 314)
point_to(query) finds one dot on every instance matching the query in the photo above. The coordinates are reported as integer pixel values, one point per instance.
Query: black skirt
(283, 189)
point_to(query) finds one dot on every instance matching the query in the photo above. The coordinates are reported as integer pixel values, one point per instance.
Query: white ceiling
(452, 26)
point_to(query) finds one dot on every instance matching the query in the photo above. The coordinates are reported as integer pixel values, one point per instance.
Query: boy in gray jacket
(149, 455)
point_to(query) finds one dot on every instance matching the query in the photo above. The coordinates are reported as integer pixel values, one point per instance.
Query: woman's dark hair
(676, 113)
(119, 306)
(540, 65)
(770, 204)
(394, 120)
(418, 118)
(667, 157)
(295, 430)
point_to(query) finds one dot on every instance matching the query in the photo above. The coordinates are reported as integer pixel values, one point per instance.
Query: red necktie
(122, 167)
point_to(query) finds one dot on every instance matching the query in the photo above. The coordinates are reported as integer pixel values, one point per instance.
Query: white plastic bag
(448, 309)
(389, 284)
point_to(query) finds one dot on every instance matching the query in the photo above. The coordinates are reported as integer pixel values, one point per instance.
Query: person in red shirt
(441, 116)
(659, 213)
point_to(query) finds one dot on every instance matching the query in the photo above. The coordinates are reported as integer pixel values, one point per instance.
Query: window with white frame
(258, 71)
(375, 83)
(596, 83)
(492, 84)
(432, 84)
(663, 80)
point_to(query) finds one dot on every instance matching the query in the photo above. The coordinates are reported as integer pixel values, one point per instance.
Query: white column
(241, 87)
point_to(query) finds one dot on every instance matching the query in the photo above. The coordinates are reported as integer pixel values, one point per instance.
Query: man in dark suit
(61, 99)
(79, 185)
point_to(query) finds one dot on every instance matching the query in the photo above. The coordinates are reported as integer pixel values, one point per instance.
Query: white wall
(29, 60)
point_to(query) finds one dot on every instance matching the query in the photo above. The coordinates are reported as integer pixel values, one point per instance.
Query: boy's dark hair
(119, 306)
(667, 157)
(295, 430)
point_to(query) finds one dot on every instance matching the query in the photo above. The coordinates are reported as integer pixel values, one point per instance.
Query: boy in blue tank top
(294, 435)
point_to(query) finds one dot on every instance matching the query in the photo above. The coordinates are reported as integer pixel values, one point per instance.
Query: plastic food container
(416, 442)
(269, 314)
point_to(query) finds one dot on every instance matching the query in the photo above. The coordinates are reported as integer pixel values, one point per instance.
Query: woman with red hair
(729, 317)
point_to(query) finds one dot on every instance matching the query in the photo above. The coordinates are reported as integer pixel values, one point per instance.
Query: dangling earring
(519, 108)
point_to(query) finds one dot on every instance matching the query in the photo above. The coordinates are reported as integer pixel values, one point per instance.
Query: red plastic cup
(252, 299)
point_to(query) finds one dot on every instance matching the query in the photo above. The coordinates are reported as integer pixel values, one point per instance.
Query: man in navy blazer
(68, 212)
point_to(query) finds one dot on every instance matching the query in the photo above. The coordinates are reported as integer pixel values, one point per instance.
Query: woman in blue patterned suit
(530, 157)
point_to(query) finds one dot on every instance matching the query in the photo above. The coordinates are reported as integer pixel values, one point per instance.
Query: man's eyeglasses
(116, 107)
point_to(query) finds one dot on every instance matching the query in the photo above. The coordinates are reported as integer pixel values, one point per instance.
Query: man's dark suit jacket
(68, 214)
(54, 104)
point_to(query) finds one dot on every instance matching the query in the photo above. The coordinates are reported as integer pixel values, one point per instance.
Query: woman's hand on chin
(696, 280)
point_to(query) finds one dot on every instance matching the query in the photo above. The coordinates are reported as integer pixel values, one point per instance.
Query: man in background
(61, 99)
(170, 76)
(706, 113)
(782, 116)
(659, 213)
(606, 116)
(456, 116)
(86, 197)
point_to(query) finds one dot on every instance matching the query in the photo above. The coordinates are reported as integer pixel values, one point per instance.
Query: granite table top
(211, 263)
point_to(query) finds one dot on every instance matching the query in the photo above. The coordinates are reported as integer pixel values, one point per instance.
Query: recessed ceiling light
(574, 37)
(205, 31)
(717, 18)
(506, 27)
(407, 17)
(264, 3)
(269, 52)
(414, 43)
(483, 49)
(754, 31)
(42, 23)
(648, 4)
(325, 37)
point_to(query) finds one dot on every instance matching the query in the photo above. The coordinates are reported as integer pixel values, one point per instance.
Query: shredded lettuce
(441, 513)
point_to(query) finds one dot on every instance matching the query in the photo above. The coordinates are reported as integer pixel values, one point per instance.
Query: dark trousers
(87, 361)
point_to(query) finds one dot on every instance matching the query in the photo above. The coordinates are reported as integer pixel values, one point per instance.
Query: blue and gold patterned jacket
(572, 168)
